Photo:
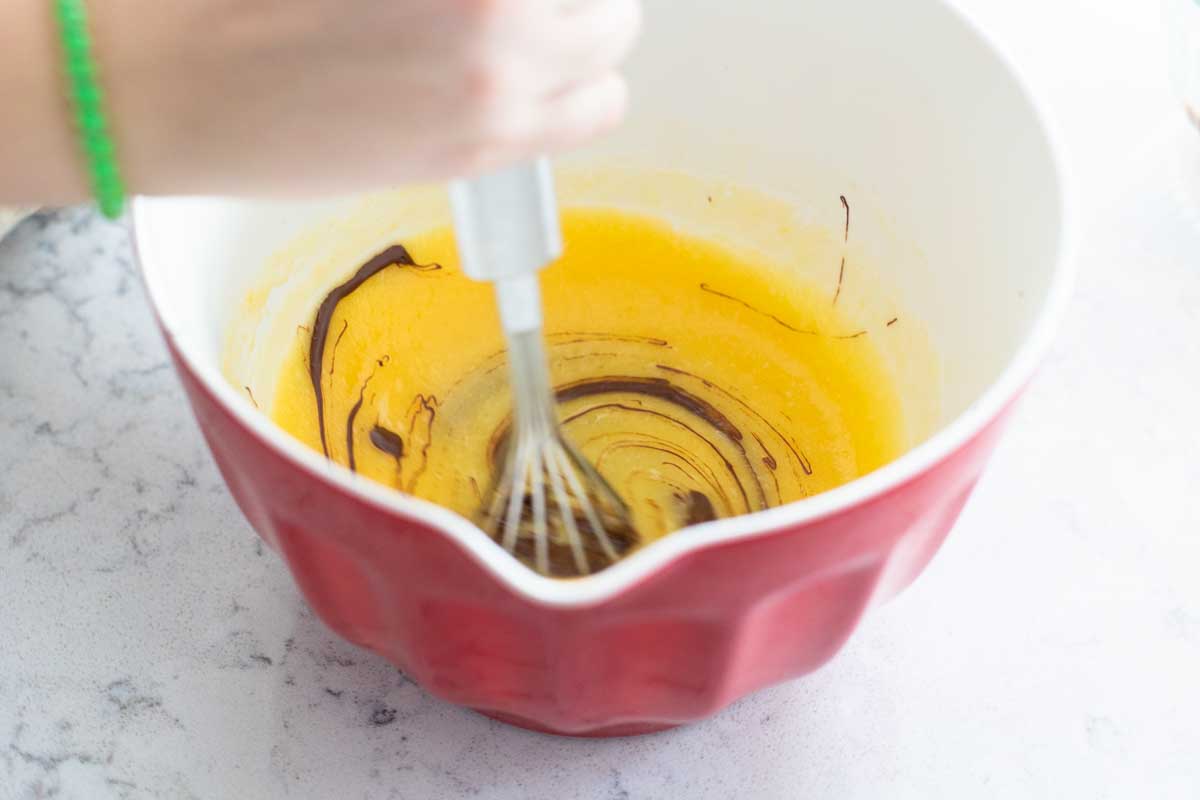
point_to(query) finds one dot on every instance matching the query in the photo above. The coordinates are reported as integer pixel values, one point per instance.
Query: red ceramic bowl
(901, 105)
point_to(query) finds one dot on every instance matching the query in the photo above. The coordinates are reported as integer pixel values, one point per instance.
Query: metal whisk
(549, 507)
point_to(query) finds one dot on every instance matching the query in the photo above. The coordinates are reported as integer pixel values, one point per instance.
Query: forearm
(264, 97)
(39, 162)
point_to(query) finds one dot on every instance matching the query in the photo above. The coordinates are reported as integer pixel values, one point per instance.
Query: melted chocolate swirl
(678, 447)
(395, 256)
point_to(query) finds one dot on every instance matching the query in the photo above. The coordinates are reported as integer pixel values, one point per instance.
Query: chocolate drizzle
(668, 392)
(678, 446)
(395, 256)
(336, 342)
(421, 416)
(388, 442)
(741, 465)
(845, 240)
(653, 387)
(354, 409)
(697, 508)
(805, 464)
(704, 287)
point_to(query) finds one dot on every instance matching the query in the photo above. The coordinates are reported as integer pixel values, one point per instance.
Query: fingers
(561, 122)
(547, 80)
(583, 111)
(588, 39)
(533, 49)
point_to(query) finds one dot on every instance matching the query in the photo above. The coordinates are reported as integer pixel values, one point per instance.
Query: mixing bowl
(905, 108)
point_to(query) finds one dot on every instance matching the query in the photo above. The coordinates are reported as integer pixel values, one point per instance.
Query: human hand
(309, 96)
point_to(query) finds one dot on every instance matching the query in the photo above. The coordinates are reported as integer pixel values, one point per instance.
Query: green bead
(88, 98)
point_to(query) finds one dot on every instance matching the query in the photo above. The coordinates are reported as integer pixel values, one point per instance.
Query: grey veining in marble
(150, 647)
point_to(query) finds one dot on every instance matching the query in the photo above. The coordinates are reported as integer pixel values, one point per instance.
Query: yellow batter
(699, 384)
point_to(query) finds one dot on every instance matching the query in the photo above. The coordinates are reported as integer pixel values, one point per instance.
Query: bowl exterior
(702, 631)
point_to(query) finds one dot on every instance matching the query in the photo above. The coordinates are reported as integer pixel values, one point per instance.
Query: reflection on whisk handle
(507, 229)
(506, 222)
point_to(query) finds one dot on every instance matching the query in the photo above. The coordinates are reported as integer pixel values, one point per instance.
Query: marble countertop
(149, 647)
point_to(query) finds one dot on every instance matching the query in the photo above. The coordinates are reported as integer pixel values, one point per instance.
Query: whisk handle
(506, 222)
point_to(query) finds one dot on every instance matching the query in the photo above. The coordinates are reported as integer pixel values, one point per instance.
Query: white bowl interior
(902, 107)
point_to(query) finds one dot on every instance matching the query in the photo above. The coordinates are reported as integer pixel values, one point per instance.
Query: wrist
(130, 61)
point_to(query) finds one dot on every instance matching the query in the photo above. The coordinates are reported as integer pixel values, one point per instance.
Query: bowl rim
(654, 557)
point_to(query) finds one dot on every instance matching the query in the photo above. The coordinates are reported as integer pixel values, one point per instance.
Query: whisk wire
(565, 509)
(540, 536)
(585, 503)
(549, 500)
(516, 497)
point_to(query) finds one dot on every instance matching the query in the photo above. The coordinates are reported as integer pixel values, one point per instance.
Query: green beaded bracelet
(88, 101)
